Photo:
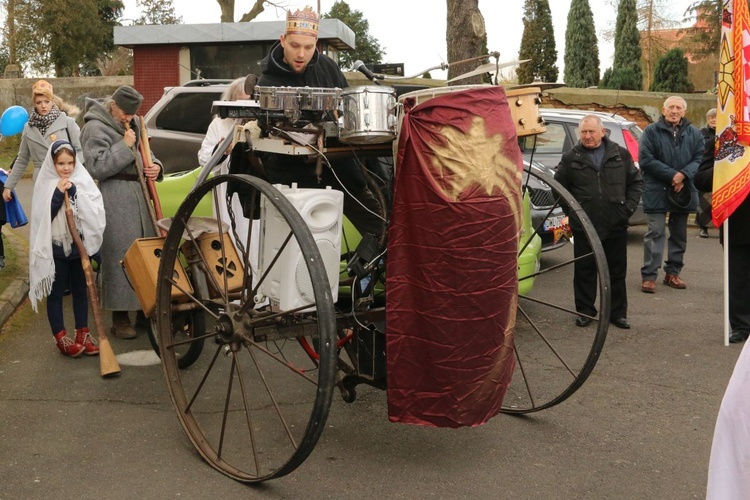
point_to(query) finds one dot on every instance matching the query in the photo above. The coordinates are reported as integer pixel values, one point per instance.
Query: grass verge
(16, 259)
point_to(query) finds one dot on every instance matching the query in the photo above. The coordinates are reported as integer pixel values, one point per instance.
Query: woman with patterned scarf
(51, 119)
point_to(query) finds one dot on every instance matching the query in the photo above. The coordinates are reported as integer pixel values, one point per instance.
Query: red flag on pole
(731, 181)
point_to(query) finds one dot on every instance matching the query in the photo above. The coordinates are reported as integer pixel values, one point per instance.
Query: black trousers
(68, 273)
(585, 277)
(739, 287)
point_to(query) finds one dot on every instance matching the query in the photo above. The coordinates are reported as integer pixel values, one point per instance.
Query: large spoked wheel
(255, 402)
(553, 355)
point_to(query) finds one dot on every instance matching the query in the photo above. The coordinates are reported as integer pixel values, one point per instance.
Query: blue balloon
(13, 120)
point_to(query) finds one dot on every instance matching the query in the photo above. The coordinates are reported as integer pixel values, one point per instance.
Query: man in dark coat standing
(295, 61)
(110, 138)
(669, 155)
(602, 177)
(739, 252)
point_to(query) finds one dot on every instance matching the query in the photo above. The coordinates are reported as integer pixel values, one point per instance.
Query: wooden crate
(230, 263)
(142, 267)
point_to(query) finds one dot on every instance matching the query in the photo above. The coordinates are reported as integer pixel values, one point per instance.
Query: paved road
(640, 427)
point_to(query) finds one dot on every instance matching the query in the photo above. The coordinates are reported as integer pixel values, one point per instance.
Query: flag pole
(726, 281)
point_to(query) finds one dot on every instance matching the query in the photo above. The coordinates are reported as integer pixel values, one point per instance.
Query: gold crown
(302, 22)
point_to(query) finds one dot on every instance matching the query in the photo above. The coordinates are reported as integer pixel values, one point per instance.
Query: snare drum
(369, 115)
(524, 108)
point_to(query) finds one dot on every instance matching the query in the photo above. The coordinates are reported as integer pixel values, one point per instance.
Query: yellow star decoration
(477, 160)
(726, 80)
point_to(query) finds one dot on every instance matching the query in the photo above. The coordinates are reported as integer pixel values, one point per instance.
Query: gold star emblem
(476, 160)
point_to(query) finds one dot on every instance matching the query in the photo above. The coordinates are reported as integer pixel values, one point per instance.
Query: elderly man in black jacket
(602, 177)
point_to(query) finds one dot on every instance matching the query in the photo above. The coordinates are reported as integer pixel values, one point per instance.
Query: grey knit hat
(127, 99)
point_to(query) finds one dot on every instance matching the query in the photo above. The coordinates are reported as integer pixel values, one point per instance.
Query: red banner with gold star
(452, 245)
(731, 181)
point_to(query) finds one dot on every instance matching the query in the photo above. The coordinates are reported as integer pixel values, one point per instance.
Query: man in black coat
(739, 251)
(703, 217)
(295, 61)
(602, 177)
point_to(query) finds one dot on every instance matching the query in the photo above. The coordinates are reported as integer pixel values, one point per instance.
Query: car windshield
(188, 112)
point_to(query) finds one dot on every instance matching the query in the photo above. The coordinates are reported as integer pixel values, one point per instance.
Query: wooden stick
(139, 165)
(145, 150)
(107, 361)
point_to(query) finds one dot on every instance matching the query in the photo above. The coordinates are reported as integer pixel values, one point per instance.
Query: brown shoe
(648, 286)
(674, 281)
(121, 327)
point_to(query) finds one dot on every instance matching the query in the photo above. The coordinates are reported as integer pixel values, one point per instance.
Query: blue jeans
(653, 244)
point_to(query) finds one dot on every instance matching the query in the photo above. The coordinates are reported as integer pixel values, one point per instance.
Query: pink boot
(84, 337)
(68, 347)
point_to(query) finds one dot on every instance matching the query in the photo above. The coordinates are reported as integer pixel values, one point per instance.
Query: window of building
(227, 61)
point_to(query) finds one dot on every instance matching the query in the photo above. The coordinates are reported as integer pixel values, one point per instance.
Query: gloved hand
(96, 261)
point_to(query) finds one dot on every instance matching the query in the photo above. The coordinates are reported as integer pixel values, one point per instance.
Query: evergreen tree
(706, 35)
(626, 70)
(368, 49)
(581, 47)
(671, 73)
(537, 44)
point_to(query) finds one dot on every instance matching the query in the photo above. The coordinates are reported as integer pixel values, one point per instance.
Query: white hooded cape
(88, 210)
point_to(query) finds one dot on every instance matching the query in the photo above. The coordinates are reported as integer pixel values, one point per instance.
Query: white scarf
(88, 211)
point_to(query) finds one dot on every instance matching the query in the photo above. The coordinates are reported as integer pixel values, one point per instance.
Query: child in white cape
(54, 261)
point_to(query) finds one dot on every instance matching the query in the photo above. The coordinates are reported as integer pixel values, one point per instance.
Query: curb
(12, 297)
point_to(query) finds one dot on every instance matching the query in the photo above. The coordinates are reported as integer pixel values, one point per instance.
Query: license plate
(555, 222)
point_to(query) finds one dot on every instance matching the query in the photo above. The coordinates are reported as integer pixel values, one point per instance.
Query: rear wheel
(554, 357)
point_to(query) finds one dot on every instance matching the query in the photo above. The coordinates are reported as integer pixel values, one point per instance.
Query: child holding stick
(54, 261)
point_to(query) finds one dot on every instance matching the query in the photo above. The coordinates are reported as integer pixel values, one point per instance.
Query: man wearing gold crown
(295, 61)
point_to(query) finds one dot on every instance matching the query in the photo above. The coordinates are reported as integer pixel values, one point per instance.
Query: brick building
(169, 55)
(702, 71)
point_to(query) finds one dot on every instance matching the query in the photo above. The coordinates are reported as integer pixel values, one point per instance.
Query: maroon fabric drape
(451, 270)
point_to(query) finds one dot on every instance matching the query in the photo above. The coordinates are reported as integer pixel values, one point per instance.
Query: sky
(413, 34)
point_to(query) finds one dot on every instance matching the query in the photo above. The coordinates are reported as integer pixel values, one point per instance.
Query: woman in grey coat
(110, 136)
(48, 122)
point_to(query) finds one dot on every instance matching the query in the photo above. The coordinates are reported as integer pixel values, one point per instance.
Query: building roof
(331, 31)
